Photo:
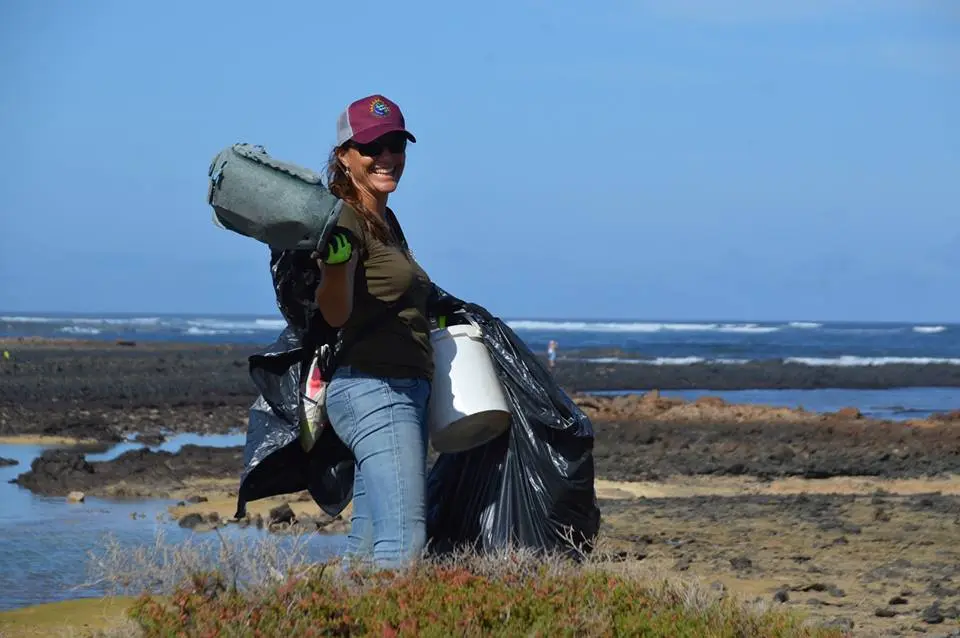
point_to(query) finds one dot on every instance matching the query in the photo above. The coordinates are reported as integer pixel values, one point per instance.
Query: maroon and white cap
(368, 118)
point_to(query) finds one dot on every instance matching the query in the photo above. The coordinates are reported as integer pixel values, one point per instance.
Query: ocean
(647, 342)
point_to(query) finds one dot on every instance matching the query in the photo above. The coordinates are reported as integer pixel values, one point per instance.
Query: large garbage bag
(531, 487)
(274, 461)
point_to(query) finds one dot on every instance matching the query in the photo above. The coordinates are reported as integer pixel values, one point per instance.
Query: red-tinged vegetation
(451, 600)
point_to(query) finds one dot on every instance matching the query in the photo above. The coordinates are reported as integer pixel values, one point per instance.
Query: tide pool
(46, 543)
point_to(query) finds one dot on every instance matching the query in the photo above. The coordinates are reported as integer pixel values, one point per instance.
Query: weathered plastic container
(277, 203)
(467, 405)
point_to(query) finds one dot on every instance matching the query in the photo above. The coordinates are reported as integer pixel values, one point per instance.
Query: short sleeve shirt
(397, 344)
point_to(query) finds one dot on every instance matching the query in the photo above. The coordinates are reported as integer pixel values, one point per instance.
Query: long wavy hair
(340, 184)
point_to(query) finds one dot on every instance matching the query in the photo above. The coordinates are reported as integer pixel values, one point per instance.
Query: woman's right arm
(338, 266)
(335, 291)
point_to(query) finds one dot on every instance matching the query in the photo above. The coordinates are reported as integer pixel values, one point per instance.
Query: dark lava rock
(885, 612)
(58, 472)
(196, 499)
(281, 514)
(741, 563)
(155, 375)
(5, 462)
(853, 448)
(932, 614)
(898, 600)
(190, 521)
(815, 587)
(942, 590)
(586, 376)
(781, 595)
(155, 438)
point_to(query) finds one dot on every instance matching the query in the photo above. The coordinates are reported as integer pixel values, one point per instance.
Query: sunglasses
(396, 144)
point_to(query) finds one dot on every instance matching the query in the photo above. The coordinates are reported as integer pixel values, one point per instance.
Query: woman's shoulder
(350, 219)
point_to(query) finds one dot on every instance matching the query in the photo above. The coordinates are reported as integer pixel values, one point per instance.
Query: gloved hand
(339, 248)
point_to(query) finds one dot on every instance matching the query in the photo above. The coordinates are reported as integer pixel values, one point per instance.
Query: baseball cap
(368, 118)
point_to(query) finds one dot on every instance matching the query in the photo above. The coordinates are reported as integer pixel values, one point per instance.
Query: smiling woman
(375, 291)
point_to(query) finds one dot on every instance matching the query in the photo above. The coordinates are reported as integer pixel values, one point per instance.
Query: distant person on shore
(552, 353)
(373, 288)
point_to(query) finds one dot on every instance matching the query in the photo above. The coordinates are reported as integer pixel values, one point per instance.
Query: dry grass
(247, 564)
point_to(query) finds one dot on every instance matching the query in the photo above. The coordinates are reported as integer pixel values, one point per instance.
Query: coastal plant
(503, 594)
(247, 563)
(268, 586)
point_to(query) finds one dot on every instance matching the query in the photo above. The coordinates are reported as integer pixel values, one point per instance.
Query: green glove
(339, 249)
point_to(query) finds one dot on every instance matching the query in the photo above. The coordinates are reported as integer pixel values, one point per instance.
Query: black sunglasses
(395, 143)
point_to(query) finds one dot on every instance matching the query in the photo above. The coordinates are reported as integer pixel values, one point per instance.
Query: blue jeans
(384, 423)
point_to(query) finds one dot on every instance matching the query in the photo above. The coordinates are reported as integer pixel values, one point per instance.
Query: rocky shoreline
(638, 437)
(101, 391)
(102, 376)
(850, 519)
(139, 473)
(103, 395)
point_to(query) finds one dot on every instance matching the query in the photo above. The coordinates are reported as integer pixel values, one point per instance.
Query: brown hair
(340, 184)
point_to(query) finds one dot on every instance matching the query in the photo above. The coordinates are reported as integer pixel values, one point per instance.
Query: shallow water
(172, 444)
(895, 404)
(45, 542)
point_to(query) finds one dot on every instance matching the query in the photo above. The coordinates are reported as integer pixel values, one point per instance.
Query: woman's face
(376, 167)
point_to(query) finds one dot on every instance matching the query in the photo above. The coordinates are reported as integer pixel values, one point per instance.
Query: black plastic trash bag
(531, 487)
(274, 461)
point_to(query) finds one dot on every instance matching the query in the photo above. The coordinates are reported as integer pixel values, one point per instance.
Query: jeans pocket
(403, 383)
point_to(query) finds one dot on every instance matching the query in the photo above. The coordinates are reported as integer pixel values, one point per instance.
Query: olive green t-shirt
(397, 344)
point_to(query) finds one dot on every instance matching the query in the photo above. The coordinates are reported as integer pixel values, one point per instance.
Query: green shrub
(452, 599)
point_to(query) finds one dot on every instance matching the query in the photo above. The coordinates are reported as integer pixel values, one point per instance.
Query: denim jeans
(383, 422)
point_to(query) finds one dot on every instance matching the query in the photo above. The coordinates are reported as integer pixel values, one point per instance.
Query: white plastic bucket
(467, 405)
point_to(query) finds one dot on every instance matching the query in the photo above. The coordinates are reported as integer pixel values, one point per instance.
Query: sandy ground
(740, 486)
(880, 556)
(220, 502)
(68, 619)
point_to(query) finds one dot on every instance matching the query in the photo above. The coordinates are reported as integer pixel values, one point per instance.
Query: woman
(373, 289)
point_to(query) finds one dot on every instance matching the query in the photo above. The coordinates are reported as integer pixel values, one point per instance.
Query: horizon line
(278, 316)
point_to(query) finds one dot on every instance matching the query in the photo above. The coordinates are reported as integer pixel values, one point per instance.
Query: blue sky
(675, 159)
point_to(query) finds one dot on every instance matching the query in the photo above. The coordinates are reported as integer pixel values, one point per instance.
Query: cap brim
(368, 135)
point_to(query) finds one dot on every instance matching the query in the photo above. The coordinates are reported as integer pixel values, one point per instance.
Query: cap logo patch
(379, 108)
